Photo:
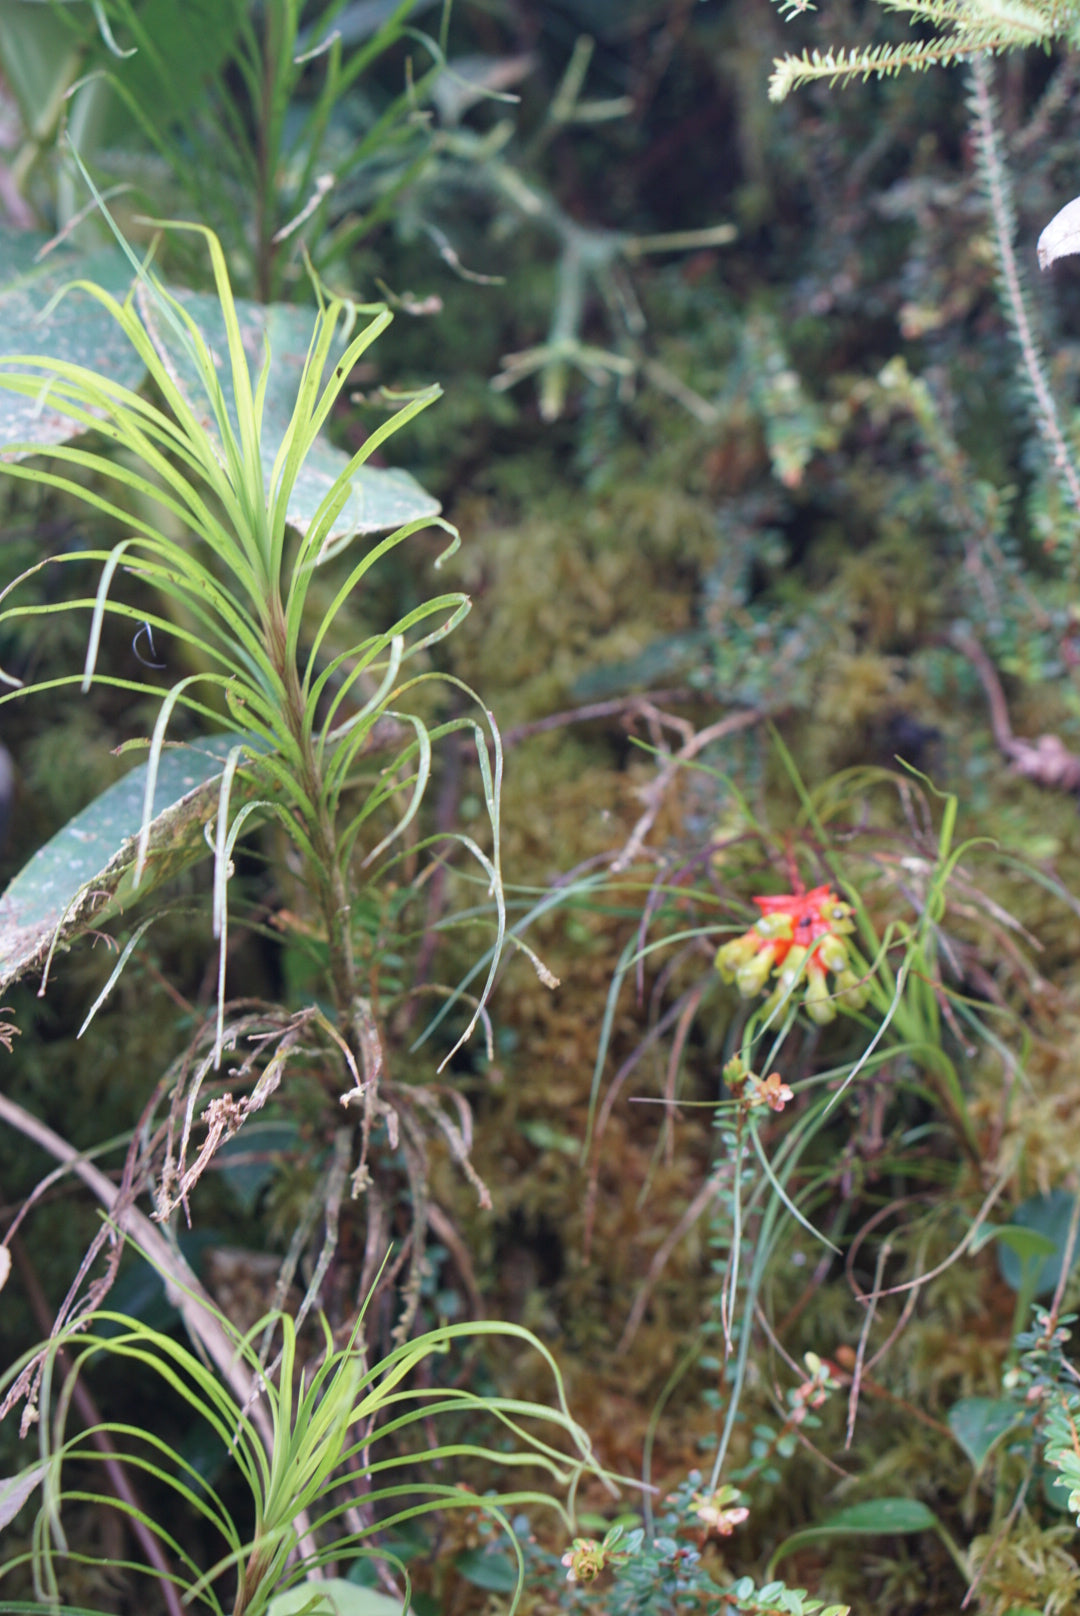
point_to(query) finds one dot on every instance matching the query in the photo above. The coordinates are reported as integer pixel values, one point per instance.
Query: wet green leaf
(84, 874)
(978, 1422)
(74, 328)
(878, 1516)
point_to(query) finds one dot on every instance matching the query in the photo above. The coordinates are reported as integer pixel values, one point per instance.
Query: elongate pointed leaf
(15, 1491)
(876, 1517)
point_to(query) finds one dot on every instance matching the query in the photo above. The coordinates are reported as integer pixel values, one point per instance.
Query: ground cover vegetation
(538, 1069)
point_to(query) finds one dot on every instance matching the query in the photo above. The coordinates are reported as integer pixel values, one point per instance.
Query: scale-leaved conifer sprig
(965, 28)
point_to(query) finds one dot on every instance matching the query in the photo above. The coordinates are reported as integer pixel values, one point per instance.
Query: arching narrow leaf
(380, 499)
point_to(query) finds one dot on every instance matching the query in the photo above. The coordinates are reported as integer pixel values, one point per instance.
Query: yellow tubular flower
(833, 953)
(731, 956)
(819, 1006)
(751, 976)
(853, 992)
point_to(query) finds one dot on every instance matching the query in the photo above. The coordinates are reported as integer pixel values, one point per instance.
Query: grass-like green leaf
(279, 335)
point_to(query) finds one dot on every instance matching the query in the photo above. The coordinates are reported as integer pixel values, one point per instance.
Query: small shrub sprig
(1047, 1385)
(630, 1572)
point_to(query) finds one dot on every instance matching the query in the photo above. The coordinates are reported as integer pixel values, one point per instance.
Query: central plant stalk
(329, 882)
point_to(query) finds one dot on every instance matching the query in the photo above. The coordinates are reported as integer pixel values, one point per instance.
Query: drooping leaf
(75, 328)
(358, 22)
(381, 499)
(1049, 1217)
(334, 1597)
(978, 1422)
(84, 874)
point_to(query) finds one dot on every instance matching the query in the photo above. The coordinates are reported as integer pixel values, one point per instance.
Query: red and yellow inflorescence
(801, 936)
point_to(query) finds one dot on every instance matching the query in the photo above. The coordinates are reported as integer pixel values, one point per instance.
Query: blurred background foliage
(731, 424)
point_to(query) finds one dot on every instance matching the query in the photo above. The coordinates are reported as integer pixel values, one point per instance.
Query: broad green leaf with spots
(84, 874)
(43, 313)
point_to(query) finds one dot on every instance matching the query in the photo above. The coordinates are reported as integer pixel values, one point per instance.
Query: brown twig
(705, 1195)
(181, 1285)
(653, 794)
(845, 1359)
(630, 705)
(1047, 761)
(864, 1336)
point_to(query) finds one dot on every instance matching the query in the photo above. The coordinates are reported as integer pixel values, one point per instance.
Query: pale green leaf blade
(334, 1596)
(381, 499)
(76, 329)
(84, 874)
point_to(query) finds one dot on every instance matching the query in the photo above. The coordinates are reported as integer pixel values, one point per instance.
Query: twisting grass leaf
(74, 327)
(375, 500)
(85, 873)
